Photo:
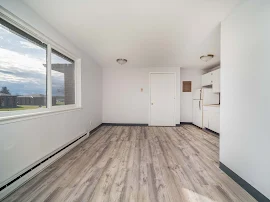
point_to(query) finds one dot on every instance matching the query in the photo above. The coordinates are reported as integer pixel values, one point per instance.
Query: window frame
(75, 87)
(20, 115)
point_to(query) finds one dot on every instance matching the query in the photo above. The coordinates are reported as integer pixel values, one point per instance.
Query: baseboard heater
(36, 168)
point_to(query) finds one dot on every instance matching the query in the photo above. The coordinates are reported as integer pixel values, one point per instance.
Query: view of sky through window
(22, 62)
(63, 83)
(23, 73)
(23, 65)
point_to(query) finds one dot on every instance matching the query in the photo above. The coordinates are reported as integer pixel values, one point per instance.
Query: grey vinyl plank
(137, 163)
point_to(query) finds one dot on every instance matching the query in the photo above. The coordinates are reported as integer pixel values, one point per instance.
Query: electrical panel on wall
(186, 86)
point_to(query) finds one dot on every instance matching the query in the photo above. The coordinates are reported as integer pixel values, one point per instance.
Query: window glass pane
(22, 70)
(63, 80)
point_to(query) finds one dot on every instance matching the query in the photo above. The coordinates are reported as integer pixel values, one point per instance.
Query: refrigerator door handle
(200, 105)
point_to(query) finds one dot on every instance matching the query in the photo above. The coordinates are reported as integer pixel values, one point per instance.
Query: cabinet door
(216, 81)
(214, 122)
(206, 118)
(207, 79)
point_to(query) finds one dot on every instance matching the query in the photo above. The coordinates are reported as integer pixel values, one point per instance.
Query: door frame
(149, 104)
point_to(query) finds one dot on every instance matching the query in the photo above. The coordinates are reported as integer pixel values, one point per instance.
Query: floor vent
(32, 168)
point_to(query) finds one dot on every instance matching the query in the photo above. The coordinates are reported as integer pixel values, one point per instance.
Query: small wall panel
(186, 86)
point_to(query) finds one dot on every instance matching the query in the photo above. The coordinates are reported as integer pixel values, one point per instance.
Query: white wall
(245, 98)
(195, 76)
(123, 101)
(22, 143)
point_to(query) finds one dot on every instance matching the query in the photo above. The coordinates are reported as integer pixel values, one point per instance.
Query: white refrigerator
(201, 97)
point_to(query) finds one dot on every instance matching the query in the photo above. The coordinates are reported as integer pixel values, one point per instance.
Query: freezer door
(197, 94)
(208, 97)
(197, 116)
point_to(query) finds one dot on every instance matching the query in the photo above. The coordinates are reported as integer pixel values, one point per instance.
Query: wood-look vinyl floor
(137, 164)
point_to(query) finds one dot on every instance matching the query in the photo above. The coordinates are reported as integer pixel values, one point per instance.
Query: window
(22, 70)
(63, 80)
(24, 75)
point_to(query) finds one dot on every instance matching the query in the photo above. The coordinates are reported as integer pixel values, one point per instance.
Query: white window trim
(37, 113)
(15, 116)
(49, 77)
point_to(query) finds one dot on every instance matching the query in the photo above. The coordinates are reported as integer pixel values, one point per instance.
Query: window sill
(33, 114)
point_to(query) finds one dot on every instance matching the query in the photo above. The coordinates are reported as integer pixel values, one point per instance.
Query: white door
(197, 115)
(162, 99)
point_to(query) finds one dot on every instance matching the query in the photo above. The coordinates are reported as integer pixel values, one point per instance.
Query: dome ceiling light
(121, 61)
(206, 58)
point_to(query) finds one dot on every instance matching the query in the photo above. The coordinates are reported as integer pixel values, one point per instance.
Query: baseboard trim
(186, 123)
(12, 184)
(95, 129)
(245, 185)
(138, 124)
(208, 130)
(124, 124)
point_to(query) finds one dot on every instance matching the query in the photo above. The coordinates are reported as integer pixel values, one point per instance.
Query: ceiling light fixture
(206, 58)
(121, 61)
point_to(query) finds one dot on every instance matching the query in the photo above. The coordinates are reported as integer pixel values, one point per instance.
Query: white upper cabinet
(216, 81)
(212, 78)
(207, 79)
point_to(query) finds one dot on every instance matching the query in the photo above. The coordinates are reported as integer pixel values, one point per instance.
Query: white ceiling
(146, 32)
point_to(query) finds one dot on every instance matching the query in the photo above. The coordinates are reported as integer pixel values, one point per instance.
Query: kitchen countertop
(211, 105)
